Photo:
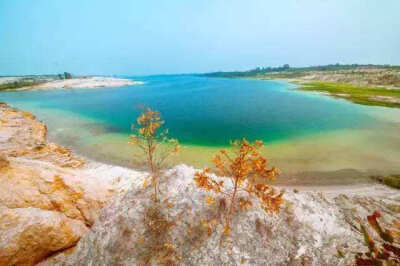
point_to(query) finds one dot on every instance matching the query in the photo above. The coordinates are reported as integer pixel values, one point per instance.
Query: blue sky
(184, 36)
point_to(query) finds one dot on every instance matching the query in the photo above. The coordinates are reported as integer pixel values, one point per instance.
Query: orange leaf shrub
(248, 171)
(154, 144)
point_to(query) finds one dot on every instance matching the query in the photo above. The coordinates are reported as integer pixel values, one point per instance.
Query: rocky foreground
(57, 209)
(49, 198)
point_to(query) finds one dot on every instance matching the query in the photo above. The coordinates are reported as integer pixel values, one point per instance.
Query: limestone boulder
(21, 135)
(30, 234)
(49, 198)
(309, 231)
(31, 183)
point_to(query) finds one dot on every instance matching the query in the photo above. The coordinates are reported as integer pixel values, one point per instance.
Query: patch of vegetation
(156, 245)
(67, 75)
(286, 71)
(31, 80)
(391, 180)
(366, 95)
(19, 84)
(386, 250)
(248, 171)
(4, 163)
(388, 79)
(284, 75)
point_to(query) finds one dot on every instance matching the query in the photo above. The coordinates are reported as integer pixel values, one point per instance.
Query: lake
(303, 131)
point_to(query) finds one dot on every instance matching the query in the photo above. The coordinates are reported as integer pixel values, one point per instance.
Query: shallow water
(304, 132)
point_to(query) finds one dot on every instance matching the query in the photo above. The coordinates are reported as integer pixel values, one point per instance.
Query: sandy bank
(74, 83)
(92, 82)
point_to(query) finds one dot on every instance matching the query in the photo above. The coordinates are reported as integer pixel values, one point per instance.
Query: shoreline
(113, 169)
(94, 140)
(371, 88)
(369, 95)
(25, 132)
(72, 83)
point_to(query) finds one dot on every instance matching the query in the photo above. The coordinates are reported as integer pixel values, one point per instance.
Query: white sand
(78, 83)
(92, 82)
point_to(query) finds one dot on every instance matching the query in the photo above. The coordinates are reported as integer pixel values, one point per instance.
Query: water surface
(303, 131)
(205, 111)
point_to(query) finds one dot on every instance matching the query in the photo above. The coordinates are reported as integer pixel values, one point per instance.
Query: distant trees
(288, 68)
(249, 174)
(67, 75)
(252, 72)
(154, 145)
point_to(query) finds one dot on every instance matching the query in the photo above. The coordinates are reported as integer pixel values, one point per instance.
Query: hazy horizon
(175, 37)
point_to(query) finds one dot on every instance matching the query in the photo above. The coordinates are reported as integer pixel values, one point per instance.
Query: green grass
(356, 94)
(391, 180)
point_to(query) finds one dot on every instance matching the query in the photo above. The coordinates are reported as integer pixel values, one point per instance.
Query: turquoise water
(204, 111)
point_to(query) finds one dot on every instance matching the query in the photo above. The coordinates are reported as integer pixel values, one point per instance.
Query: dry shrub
(155, 245)
(262, 229)
(4, 163)
(154, 144)
(198, 233)
(385, 250)
(222, 205)
(202, 228)
(248, 171)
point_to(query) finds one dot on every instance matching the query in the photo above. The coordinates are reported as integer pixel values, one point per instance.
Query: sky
(132, 37)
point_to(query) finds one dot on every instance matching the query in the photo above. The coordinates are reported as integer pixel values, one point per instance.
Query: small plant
(154, 144)
(156, 245)
(386, 251)
(3, 162)
(248, 171)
